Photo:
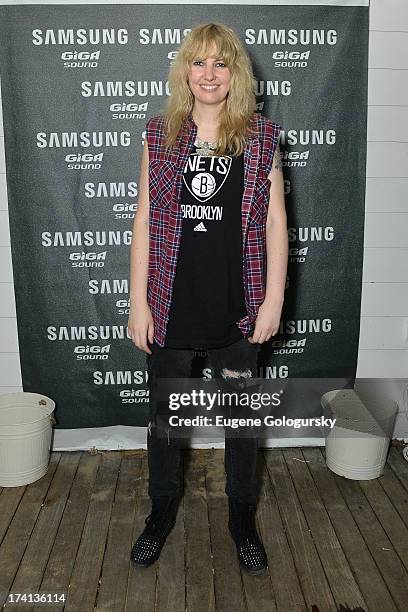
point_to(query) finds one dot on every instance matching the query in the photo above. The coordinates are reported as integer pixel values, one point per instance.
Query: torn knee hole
(227, 374)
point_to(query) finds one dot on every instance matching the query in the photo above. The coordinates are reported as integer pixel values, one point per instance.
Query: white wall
(383, 349)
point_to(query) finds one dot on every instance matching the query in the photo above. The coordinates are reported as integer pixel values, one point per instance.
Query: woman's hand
(267, 321)
(140, 325)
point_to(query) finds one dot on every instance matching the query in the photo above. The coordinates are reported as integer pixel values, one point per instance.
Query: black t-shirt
(208, 291)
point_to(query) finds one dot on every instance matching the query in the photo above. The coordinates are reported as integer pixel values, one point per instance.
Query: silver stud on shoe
(251, 553)
(159, 523)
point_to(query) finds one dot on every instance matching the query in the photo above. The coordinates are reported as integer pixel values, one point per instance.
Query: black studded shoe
(251, 553)
(159, 523)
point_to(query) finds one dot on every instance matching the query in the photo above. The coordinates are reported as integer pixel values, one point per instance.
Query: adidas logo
(200, 227)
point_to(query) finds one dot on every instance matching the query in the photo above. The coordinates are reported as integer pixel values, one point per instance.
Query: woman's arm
(140, 322)
(268, 319)
(276, 235)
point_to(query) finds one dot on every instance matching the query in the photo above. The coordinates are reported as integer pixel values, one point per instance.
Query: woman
(208, 262)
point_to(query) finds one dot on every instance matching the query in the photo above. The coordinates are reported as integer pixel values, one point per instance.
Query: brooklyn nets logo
(206, 175)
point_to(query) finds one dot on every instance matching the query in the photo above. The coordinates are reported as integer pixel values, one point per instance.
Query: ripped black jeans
(234, 364)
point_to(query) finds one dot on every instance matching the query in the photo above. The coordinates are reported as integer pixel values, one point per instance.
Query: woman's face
(209, 78)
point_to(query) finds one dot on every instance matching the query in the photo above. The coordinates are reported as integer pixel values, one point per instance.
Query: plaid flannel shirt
(165, 215)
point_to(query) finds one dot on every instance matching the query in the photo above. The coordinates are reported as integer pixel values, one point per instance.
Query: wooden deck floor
(332, 543)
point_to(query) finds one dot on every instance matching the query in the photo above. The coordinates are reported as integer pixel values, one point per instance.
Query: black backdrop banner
(78, 84)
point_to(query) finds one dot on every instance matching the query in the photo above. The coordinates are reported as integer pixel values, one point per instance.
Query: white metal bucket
(357, 445)
(25, 437)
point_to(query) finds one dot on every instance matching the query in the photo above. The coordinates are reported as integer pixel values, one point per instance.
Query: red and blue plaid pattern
(165, 216)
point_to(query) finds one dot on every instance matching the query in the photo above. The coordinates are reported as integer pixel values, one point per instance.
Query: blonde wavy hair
(234, 121)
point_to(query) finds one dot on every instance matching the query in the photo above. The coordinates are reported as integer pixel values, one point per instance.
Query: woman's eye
(196, 62)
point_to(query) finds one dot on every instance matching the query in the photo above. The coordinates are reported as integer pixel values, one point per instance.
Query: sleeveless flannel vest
(165, 216)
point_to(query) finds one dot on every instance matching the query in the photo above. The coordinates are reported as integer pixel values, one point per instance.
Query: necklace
(204, 147)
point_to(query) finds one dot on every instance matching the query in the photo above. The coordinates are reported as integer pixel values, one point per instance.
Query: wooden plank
(85, 576)
(378, 333)
(397, 494)
(381, 549)
(171, 587)
(9, 500)
(343, 586)
(30, 572)
(367, 575)
(229, 593)
(60, 564)
(258, 590)
(199, 572)
(10, 375)
(398, 465)
(385, 193)
(191, 572)
(392, 302)
(286, 586)
(18, 533)
(113, 581)
(385, 229)
(141, 587)
(393, 164)
(385, 363)
(315, 587)
(392, 16)
(389, 518)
